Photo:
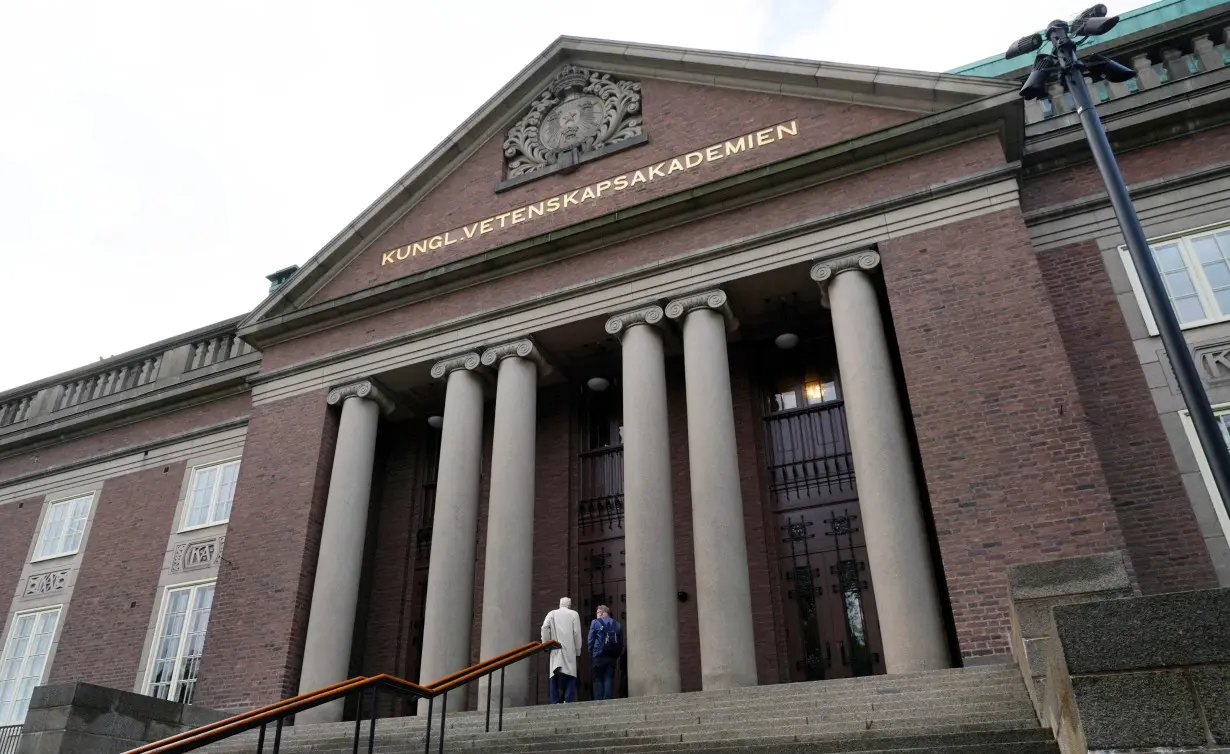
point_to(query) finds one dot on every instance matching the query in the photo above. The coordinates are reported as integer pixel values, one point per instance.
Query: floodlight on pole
(1063, 62)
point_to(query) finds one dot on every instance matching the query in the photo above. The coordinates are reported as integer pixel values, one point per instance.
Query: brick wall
(153, 428)
(685, 556)
(254, 649)
(1010, 460)
(679, 118)
(18, 521)
(1153, 509)
(835, 196)
(117, 588)
(1160, 159)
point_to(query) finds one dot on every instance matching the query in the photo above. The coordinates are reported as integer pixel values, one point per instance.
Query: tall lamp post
(1063, 63)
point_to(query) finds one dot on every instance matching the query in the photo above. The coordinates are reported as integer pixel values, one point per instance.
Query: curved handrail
(263, 715)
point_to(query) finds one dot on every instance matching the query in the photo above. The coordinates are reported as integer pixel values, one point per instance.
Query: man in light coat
(563, 625)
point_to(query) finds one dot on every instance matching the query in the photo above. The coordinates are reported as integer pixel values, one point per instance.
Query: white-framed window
(24, 661)
(180, 636)
(63, 528)
(211, 490)
(1222, 412)
(1196, 270)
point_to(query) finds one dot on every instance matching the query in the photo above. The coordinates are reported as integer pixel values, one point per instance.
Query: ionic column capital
(369, 389)
(442, 368)
(618, 324)
(825, 270)
(523, 348)
(714, 299)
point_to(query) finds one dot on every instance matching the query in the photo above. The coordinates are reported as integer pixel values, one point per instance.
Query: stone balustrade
(217, 349)
(1186, 54)
(192, 357)
(108, 382)
(15, 409)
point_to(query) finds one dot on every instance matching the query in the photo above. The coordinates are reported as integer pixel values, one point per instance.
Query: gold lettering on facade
(595, 191)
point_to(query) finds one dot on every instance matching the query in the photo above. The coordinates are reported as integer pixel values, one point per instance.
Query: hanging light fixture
(786, 341)
(435, 422)
(598, 384)
(788, 312)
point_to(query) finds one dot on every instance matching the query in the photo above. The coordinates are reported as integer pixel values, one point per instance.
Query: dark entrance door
(831, 626)
(600, 521)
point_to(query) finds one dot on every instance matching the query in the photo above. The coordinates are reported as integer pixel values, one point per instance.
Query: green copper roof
(1129, 23)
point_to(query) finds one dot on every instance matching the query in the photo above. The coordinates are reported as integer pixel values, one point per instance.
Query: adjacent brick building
(786, 362)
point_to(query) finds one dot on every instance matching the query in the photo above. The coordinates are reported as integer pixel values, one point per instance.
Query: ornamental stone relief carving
(581, 114)
(43, 584)
(191, 556)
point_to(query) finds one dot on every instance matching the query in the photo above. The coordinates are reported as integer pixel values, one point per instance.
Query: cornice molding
(369, 389)
(618, 324)
(523, 348)
(712, 299)
(825, 270)
(442, 368)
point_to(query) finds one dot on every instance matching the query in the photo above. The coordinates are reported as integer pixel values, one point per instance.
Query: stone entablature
(210, 359)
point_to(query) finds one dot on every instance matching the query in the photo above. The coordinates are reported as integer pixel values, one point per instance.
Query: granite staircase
(981, 710)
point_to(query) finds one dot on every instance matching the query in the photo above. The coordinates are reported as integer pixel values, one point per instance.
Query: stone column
(723, 593)
(649, 527)
(508, 570)
(450, 580)
(898, 555)
(335, 593)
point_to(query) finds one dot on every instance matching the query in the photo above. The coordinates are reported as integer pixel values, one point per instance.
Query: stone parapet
(81, 718)
(1035, 588)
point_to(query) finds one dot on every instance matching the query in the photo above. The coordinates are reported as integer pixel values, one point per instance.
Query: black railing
(10, 736)
(277, 714)
(809, 453)
(600, 504)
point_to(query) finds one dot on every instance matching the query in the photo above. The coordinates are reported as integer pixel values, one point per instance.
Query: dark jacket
(595, 637)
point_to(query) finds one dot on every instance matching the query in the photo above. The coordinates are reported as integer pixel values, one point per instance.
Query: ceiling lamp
(435, 422)
(786, 341)
(598, 384)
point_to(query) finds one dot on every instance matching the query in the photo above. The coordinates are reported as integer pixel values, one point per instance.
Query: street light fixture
(1063, 62)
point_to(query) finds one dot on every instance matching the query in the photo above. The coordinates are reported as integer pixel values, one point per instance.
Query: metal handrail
(10, 736)
(277, 712)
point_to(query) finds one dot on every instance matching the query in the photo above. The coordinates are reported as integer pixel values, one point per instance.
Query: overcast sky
(158, 159)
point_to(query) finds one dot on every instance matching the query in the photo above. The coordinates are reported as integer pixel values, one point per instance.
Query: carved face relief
(571, 122)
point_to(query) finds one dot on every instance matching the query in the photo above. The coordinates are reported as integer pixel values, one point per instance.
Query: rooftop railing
(175, 361)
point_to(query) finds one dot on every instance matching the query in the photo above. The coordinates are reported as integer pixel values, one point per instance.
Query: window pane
(1168, 257)
(1206, 249)
(1218, 274)
(53, 530)
(25, 659)
(1179, 284)
(201, 496)
(226, 492)
(177, 655)
(1189, 309)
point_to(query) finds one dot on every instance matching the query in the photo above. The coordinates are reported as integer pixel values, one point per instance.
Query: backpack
(609, 638)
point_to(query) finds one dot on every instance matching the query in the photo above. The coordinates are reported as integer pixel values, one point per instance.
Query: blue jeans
(562, 682)
(604, 678)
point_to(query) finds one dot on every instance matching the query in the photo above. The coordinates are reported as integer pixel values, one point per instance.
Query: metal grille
(809, 455)
(10, 736)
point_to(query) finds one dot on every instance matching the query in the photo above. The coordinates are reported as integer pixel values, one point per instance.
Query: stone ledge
(1160, 631)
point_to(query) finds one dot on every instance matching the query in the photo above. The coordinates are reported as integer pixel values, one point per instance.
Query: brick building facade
(787, 362)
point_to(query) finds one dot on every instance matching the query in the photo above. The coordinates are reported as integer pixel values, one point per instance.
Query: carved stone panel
(580, 115)
(1214, 361)
(43, 584)
(192, 556)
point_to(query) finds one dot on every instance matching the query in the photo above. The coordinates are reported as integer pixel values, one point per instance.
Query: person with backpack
(606, 646)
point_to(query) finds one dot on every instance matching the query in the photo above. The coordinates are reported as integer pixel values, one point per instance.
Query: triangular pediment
(522, 132)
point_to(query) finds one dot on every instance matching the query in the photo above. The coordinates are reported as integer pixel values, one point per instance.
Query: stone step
(891, 713)
(1033, 741)
(528, 741)
(594, 715)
